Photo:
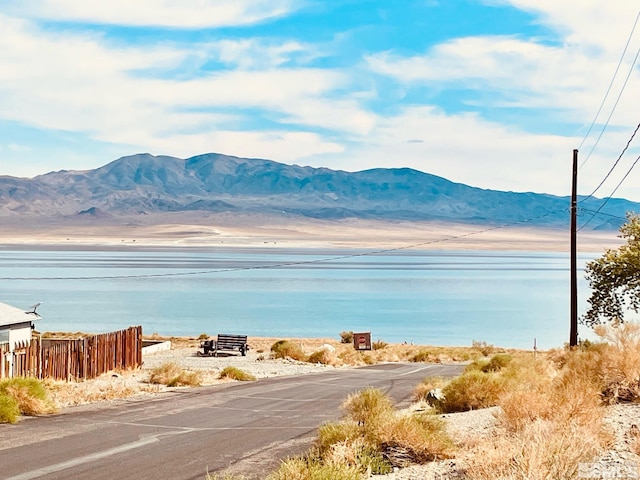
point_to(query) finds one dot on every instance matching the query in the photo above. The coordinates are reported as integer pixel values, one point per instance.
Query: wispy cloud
(166, 13)
(497, 106)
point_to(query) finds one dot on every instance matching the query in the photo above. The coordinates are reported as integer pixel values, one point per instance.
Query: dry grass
(234, 373)
(287, 349)
(375, 436)
(172, 375)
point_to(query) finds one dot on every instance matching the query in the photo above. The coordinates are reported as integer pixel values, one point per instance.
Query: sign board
(362, 341)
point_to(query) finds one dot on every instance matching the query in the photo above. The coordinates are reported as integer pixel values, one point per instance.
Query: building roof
(11, 315)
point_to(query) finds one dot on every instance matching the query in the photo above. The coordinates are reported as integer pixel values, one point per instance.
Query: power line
(606, 200)
(291, 264)
(614, 107)
(614, 165)
(601, 214)
(615, 74)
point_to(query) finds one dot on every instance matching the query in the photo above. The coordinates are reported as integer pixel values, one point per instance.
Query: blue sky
(492, 93)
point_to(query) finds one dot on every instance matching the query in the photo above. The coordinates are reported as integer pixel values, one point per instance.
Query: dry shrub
(172, 375)
(346, 337)
(374, 436)
(552, 414)
(415, 438)
(543, 450)
(426, 356)
(483, 347)
(312, 468)
(29, 394)
(379, 344)
(323, 356)
(368, 405)
(472, 390)
(287, 349)
(427, 385)
(234, 373)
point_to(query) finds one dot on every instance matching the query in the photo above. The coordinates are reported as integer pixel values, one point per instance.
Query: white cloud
(169, 13)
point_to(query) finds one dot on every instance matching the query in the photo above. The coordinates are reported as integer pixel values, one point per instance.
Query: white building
(15, 326)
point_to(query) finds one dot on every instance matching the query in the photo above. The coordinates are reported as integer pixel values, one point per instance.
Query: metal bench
(225, 342)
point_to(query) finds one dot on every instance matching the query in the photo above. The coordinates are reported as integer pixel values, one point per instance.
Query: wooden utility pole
(573, 331)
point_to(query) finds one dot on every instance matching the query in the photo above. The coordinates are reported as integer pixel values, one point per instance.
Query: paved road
(183, 434)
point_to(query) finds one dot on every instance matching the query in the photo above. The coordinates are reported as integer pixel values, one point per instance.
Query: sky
(490, 93)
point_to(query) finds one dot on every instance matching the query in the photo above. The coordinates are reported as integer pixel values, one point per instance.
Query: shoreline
(305, 235)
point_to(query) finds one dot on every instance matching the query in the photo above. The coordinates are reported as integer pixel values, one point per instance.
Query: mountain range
(144, 184)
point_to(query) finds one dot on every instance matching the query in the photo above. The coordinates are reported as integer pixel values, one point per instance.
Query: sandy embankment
(268, 232)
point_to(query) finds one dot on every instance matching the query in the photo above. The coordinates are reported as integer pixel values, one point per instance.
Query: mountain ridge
(144, 184)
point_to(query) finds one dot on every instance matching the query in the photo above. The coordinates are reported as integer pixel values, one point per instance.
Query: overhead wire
(615, 164)
(292, 264)
(615, 74)
(615, 105)
(606, 200)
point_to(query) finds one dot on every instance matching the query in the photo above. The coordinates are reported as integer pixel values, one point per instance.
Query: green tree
(614, 278)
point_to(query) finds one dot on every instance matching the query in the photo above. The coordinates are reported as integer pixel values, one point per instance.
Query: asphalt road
(184, 434)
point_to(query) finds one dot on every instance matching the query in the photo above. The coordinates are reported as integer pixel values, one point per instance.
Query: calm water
(429, 297)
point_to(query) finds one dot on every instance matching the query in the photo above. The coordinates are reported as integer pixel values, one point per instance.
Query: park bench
(225, 342)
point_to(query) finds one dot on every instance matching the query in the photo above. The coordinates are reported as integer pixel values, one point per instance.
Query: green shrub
(287, 349)
(9, 411)
(29, 394)
(346, 337)
(234, 373)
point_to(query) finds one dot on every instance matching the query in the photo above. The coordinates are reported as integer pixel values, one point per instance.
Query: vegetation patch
(346, 337)
(23, 396)
(372, 438)
(172, 375)
(287, 349)
(234, 373)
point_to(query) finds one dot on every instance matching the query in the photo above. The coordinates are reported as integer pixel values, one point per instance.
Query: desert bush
(371, 439)
(346, 337)
(367, 406)
(483, 347)
(224, 476)
(287, 349)
(323, 356)
(543, 450)
(29, 394)
(379, 345)
(172, 375)
(234, 373)
(415, 438)
(497, 362)
(203, 336)
(9, 410)
(424, 356)
(472, 390)
(427, 385)
(312, 468)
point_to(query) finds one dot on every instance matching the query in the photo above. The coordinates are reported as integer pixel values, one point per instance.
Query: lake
(436, 297)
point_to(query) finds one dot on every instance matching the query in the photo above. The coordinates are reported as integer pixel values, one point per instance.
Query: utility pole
(573, 331)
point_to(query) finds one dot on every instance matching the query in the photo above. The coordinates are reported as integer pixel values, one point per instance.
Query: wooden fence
(79, 359)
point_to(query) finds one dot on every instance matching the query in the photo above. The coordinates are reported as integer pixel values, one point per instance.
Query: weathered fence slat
(79, 359)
